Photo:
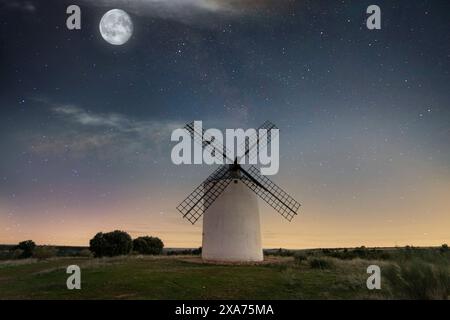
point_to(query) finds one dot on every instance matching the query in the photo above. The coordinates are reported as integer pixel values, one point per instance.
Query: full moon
(116, 27)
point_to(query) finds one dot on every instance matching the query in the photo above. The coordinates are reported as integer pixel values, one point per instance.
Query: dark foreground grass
(181, 278)
(406, 274)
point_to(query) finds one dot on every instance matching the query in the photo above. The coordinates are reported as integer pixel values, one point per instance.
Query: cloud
(120, 123)
(83, 117)
(105, 134)
(26, 5)
(187, 11)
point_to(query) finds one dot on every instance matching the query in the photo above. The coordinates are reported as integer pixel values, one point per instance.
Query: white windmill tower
(231, 223)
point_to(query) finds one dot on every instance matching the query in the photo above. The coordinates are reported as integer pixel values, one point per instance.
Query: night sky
(364, 117)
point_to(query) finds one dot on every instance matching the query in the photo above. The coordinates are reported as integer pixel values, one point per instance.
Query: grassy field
(186, 277)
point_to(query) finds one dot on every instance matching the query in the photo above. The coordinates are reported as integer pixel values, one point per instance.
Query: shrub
(17, 254)
(417, 279)
(85, 253)
(26, 247)
(361, 252)
(110, 244)
(321, 263)
(6, 255)
(45, 252)
(185, 252)
(444, 248)
(148, 245)
(300, 257)
(430, 255)
(282, 252)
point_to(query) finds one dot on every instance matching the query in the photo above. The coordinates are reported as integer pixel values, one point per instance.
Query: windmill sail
(270, 193)
(195, 204)
(255, 143)
(205, 140)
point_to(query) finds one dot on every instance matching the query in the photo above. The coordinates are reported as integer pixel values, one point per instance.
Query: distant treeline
(103, 244)
(151, 245)
(361, 252)
(9, 252)
(6, 251)
(176, 252)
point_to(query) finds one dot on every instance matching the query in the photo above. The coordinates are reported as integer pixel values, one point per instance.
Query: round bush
(111, 244)
(26, 247)
(148, 245)
(44, 252)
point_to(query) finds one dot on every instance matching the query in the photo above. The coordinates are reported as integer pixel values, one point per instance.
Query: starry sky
(364, 117)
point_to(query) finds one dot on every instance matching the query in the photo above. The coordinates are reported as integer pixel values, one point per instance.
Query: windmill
(227, 199)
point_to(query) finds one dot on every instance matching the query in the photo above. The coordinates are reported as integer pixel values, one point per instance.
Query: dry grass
(420, 274)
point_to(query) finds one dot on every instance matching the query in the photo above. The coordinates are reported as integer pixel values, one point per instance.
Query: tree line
(106, 244)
